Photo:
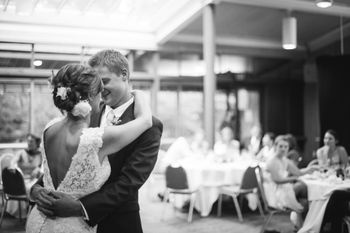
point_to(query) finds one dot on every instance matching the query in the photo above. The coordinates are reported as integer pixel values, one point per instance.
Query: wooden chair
(176, 183)
(14, 189)
(249, 184)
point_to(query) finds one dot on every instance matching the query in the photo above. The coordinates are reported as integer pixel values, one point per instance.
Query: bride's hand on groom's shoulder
(65, 205)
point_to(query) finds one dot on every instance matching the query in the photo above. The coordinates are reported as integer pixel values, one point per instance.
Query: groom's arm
(134, 173)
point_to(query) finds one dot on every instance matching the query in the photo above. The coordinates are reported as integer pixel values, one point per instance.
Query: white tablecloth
(319, 189)
(319, 192)
(208, 176)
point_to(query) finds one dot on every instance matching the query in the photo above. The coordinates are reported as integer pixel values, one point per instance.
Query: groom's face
(115, 86)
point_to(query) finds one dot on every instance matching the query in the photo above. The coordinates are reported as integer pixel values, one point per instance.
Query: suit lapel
(128, 115)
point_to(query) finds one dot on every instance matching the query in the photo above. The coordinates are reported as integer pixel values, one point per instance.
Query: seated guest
(192, 147)
(226, 148)
(331, 154)
(176, 152)
(293, 152)
(253, 143)
(268, 150)
(199, 144)
(29, 160)
(288, 190)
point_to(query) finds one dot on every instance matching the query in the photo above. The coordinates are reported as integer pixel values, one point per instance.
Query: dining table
(208, 176)
(320, 186)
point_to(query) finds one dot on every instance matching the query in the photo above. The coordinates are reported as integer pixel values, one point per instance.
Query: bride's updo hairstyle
(73, 84)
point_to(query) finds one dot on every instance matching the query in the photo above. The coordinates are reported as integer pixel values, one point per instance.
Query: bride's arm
(116, 137)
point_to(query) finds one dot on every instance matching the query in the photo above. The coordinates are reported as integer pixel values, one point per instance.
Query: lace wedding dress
(85, 175)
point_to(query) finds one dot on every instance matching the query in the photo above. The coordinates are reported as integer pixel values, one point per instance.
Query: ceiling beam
(25, 72)
(184, 16)
(52, 49)
(41, 56)
(71, 21)
(44, 73)
(234, 41)
(88, 37)
(15, 47)
(228, 41)
(296, 5)
(328, 38)
(244, 51)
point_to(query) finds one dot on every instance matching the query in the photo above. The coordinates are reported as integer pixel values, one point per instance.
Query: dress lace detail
(85, 175)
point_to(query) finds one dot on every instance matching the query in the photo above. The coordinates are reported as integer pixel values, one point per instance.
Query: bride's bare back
(61, 144)
(77, 173)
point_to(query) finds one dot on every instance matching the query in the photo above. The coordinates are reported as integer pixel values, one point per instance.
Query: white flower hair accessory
(62, 92)
(82, 108)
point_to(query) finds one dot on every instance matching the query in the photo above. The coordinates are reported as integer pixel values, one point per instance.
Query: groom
(114, 208)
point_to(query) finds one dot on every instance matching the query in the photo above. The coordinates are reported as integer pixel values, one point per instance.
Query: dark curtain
(283, 108)
(334, 96)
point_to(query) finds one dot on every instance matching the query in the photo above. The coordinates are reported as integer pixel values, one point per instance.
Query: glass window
(180, 111)
(44, 108)
(14, 112)
(168, 112)
(191, 112)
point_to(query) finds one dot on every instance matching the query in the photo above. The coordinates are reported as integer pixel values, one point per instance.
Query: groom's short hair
(113, 60)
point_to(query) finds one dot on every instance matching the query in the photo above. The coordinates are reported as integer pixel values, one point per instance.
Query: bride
(75, 156)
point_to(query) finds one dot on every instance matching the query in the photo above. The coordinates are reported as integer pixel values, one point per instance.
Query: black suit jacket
(130, 168)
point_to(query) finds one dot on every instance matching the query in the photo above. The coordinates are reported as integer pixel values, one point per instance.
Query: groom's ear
(124, 74)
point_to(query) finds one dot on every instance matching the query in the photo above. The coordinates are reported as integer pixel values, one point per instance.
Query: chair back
(13, 182)
(260, 180)
(249, 180)
(176, 178)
